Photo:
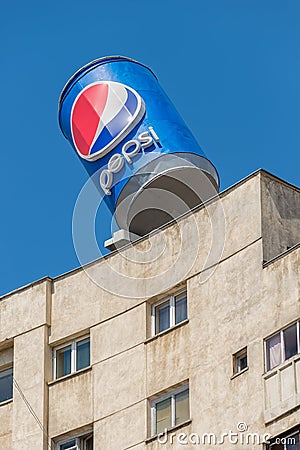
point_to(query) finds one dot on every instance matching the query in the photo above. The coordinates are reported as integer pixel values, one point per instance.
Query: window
(71, 357)
(169, 312)
(170, 410)
(77, 443)
(240, 361)
(6, 384)
(282, 346)
(287, 441)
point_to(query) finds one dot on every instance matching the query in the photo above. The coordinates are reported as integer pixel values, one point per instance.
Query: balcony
(282, 389)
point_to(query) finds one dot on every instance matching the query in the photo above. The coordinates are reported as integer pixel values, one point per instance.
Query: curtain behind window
(274, 351)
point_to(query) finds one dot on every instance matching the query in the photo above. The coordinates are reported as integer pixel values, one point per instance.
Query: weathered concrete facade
(237, 296)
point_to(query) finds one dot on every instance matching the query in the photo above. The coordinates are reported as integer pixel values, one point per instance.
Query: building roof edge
(221, 194)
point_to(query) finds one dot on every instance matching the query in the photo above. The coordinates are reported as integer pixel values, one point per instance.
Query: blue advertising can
(125, 129)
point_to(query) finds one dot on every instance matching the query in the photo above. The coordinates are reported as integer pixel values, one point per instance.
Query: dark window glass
(242, 362)
(182, 409)
(290, 341)
(292, 442)
(180, 309)
(68, 445)
(6, 385)
(162, 317)
(63, 362)
(286, 443)
(83, 354)
(89, 443)
(163, 415)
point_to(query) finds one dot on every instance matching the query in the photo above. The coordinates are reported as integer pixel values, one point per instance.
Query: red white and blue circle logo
(103, 114)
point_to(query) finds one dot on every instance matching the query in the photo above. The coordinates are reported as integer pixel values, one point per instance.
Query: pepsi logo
(103, 114)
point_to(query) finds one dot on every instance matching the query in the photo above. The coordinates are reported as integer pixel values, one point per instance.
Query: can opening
(173, 186)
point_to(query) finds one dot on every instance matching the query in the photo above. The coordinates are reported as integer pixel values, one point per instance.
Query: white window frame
(283, 359)
(80, 441)
(167, 395)
(73, 344)
(3, 373)
(171, 300)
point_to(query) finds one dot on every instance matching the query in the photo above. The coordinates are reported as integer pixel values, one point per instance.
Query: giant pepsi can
(149, 168)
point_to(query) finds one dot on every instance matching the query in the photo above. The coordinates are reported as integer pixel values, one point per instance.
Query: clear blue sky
(232, 69)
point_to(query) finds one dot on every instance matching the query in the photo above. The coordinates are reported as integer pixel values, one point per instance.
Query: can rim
(87, 67)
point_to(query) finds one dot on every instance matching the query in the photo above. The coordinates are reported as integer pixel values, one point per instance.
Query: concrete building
(201, 350)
